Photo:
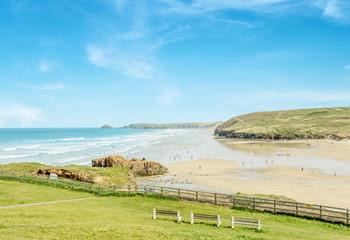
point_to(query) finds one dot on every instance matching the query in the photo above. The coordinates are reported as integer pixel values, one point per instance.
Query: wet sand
(307, 171)
(307, 186)
(306, 148)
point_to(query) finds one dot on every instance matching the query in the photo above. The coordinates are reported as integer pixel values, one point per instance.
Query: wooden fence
(325, 213)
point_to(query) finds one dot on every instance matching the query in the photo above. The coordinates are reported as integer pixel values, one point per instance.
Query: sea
(64, 146)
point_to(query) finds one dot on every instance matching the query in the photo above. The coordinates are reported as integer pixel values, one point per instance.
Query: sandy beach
(316, 171)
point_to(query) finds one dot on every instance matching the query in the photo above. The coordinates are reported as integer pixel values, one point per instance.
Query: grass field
(316, 123)
(130, 218)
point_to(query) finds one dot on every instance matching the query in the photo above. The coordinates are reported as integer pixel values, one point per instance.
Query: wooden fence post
(254, 203)
(129, 189)
(192, 218)
(145, 190)
(196, 195)
(232, 222)
(215, 199)
(161, 191)
(296, 209)
(178, 193)
(274, 205)
(234, 200)
(320, 211)
(347, 217)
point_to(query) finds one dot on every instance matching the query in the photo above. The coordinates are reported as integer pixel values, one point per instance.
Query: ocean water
(76, 145)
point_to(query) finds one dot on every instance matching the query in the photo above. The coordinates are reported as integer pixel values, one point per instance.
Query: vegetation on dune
(318, 123)
(130, 218)
(173, 125)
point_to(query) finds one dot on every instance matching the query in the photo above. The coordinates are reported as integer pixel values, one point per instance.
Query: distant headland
(173, 125)
(106, 126)
(315, 123)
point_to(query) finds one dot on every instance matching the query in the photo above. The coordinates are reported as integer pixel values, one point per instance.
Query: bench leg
(178, 216)
(259, 225)
(154, 213)
(218, 221)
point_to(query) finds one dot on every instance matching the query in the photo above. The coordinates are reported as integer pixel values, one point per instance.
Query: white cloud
(51, 86)
(332, 9)
(202, 6)
(335, 9)
(45, 66)
(114, 58)
(19, 115)
(169, 96)
(119, 4)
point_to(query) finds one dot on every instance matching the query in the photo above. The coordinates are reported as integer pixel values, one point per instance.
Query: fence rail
(325, 213)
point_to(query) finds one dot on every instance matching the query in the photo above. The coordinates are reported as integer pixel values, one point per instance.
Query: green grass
(108, 176)
(130, 218)
(292, 124)
(12, 192)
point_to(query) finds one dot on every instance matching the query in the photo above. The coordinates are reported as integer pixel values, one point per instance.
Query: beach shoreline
(295, 169)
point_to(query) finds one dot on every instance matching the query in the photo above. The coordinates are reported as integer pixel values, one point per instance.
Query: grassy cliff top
(173, 125)
(316, 123)
(103, 176)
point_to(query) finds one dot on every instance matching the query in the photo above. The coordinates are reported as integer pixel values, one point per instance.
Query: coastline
(296, 170)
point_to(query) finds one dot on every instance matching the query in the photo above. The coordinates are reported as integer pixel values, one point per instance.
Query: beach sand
(307, 186)
(312, 171)
(302, 148)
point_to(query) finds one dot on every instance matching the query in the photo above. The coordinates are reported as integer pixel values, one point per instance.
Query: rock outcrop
(65, 173)
(137, 166)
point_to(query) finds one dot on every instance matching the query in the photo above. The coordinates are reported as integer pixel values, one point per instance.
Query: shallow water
(75, 146)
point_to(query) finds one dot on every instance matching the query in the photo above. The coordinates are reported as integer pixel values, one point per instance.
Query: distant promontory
(172, 125)
(106, 126)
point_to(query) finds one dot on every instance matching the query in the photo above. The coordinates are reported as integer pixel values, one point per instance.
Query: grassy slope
(303, 123)
(110, 176)
(16, 193)
(130, 218)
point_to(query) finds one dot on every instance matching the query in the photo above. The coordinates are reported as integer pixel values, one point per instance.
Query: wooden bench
(159, 212)
(246, 221)
(207, 217)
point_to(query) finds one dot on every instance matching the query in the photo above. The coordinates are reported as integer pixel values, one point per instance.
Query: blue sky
(84, 63)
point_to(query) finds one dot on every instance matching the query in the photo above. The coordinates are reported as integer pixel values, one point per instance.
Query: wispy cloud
(18, 114)
(45, 66)
(198, 7)
(116, 59)
(51, 86)
(169, 96)
(296, 98)
(335, 9)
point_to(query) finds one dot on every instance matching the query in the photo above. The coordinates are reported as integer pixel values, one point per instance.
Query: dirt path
(45, 203)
